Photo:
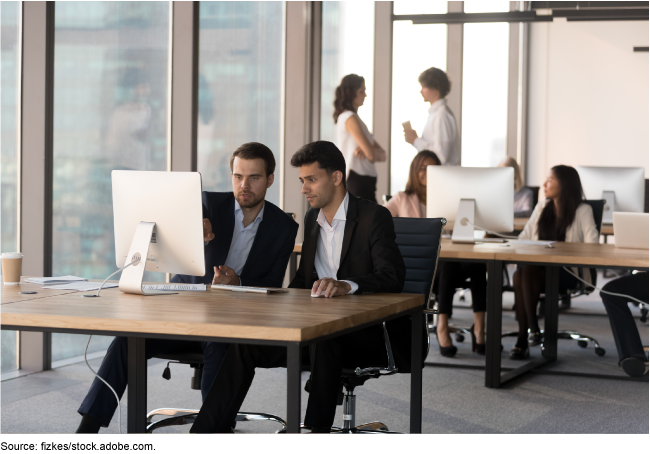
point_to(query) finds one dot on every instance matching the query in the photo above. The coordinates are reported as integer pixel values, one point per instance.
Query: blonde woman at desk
(523, 194)
(412, 204)
(358, 146)
(562, 216)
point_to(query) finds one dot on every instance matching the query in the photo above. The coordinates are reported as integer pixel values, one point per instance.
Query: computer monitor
(472, 196)
(621, 187)
(157, 215)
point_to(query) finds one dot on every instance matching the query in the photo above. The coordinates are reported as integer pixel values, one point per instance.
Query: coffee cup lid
(12, 255)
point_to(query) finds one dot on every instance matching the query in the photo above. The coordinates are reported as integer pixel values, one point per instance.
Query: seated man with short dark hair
(250, 241)
(349, 248)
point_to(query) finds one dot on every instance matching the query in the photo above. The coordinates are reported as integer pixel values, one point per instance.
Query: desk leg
(293, 388)
(417, 331)
(137, 386)
(549, 349)
(493, 328)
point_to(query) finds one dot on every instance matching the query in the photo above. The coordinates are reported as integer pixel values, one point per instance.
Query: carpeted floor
(454, 399)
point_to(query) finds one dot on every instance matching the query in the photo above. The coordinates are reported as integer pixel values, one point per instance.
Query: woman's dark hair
(328, 157)
(436, 79)
(255, 150)
(413, 185)
(551, 225)
(345, 94)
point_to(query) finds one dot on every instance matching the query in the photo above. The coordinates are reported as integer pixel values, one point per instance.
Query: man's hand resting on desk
(225, 275)
(207, 230)
(330, 287)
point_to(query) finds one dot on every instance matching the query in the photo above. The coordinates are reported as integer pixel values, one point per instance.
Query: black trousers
(362, 348)
(362, 186)
(453, 276)
(626, 334)
(100, 402)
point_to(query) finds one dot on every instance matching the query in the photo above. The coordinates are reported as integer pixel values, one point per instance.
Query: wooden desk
(291, 319)
(11, 293)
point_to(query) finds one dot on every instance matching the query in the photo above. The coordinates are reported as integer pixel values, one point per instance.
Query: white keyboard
(237, 288)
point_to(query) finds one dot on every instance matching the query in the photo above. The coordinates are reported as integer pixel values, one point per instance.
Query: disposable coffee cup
(407, 125)
(12, 266)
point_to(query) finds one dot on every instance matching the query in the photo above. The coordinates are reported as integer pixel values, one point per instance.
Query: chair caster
(583, 344)
(459, 338)
(600, 351)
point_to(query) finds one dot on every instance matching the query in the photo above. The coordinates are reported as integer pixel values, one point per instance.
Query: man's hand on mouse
(328, 288)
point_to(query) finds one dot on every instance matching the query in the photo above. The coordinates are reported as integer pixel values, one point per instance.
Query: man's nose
(305, 189)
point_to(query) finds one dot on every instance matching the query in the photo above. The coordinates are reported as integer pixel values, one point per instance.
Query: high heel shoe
(476, 347)
(449, 352)
(518, 353)
(535, 339)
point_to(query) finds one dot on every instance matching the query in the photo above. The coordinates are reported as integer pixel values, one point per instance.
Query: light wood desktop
(291, 319)
(11, 293)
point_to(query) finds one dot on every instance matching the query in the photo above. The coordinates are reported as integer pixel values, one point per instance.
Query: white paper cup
(407, 125)
(12, 265)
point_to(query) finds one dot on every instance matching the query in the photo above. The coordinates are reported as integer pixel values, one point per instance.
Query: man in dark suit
(349, 248)
(249, 241)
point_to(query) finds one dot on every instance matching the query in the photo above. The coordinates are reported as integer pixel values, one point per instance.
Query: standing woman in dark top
(358, 146)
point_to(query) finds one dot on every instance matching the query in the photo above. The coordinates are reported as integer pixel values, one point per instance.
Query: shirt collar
(341, 213)
(240, 213)
(439, 104)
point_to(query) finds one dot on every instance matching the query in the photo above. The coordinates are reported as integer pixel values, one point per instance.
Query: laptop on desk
(631, 230)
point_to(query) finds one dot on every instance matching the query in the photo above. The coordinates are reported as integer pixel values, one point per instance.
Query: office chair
(583, 340)
(419, 242)
(386, 197)
(179, 416)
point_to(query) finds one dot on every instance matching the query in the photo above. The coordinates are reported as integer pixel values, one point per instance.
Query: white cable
(121, 269)
(119, 407)
(600, 289)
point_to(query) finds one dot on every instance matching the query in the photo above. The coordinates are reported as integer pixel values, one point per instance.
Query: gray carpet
(455, 400)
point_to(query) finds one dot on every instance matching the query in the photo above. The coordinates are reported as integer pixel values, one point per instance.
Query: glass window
(110, 93)
(485, 87)
(347, 48)
(8, 95)
(419, 7)
(415, 48)
(240, 86)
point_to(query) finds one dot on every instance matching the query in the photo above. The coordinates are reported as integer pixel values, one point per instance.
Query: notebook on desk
(631, 230)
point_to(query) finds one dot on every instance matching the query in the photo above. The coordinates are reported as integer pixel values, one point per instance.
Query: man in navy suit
(249, 242)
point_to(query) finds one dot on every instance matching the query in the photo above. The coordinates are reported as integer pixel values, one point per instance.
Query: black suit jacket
(369, 255)
(267, 261)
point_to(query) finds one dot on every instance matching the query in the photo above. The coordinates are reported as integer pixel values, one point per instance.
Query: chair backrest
(598, 207)
(535, 190)
(419, 242)
(386, 197)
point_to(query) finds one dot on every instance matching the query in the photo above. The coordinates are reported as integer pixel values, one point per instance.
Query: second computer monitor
(622, 187)
(490, 189)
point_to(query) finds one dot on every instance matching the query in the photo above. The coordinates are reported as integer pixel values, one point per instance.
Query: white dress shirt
(328, 249)
(440, 134)
(242, 240)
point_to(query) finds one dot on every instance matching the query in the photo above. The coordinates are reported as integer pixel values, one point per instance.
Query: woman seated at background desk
(411, 203)
(523, 194)
(562, 216)
(354, 140)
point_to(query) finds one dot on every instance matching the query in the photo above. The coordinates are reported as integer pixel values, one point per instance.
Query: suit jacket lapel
(350, 223)
(226, 222)
(312, 233)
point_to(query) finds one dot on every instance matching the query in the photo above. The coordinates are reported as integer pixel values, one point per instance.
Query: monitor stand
(132, 276)
(464, 224)
(610, 204)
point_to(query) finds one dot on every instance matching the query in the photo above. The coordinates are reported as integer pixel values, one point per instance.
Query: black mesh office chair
(583, 340)
(419, 242)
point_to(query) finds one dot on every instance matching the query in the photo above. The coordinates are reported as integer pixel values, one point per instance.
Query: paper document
(54, 280)
(176, 287)
(534, 242)
(237, 288)
(81, 286)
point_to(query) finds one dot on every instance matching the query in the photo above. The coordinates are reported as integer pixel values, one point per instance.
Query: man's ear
(338, 177)
(270, 180)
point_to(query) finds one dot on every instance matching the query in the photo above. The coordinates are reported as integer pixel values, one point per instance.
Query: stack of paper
(176, 287)
(54, 280)
(81, 286)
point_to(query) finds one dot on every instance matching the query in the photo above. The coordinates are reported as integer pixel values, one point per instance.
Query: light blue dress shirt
(242, 240)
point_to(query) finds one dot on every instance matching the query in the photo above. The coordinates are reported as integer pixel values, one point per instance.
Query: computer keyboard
(238, 288)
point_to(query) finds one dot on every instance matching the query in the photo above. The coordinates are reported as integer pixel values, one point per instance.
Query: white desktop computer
(623, 188)
(472, 197)
(158, 216)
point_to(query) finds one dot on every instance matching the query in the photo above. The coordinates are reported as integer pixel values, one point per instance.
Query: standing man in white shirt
(349, 248)
(440, 133)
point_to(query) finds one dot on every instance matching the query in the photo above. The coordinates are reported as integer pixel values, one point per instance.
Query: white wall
(588, 98)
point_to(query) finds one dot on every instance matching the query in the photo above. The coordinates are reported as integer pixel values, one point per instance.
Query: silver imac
(623, 188)
(472, 196)
(157, 216)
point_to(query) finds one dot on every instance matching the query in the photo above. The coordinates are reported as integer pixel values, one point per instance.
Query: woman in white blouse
(358, 146)
(562, 216)
(440, 133)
